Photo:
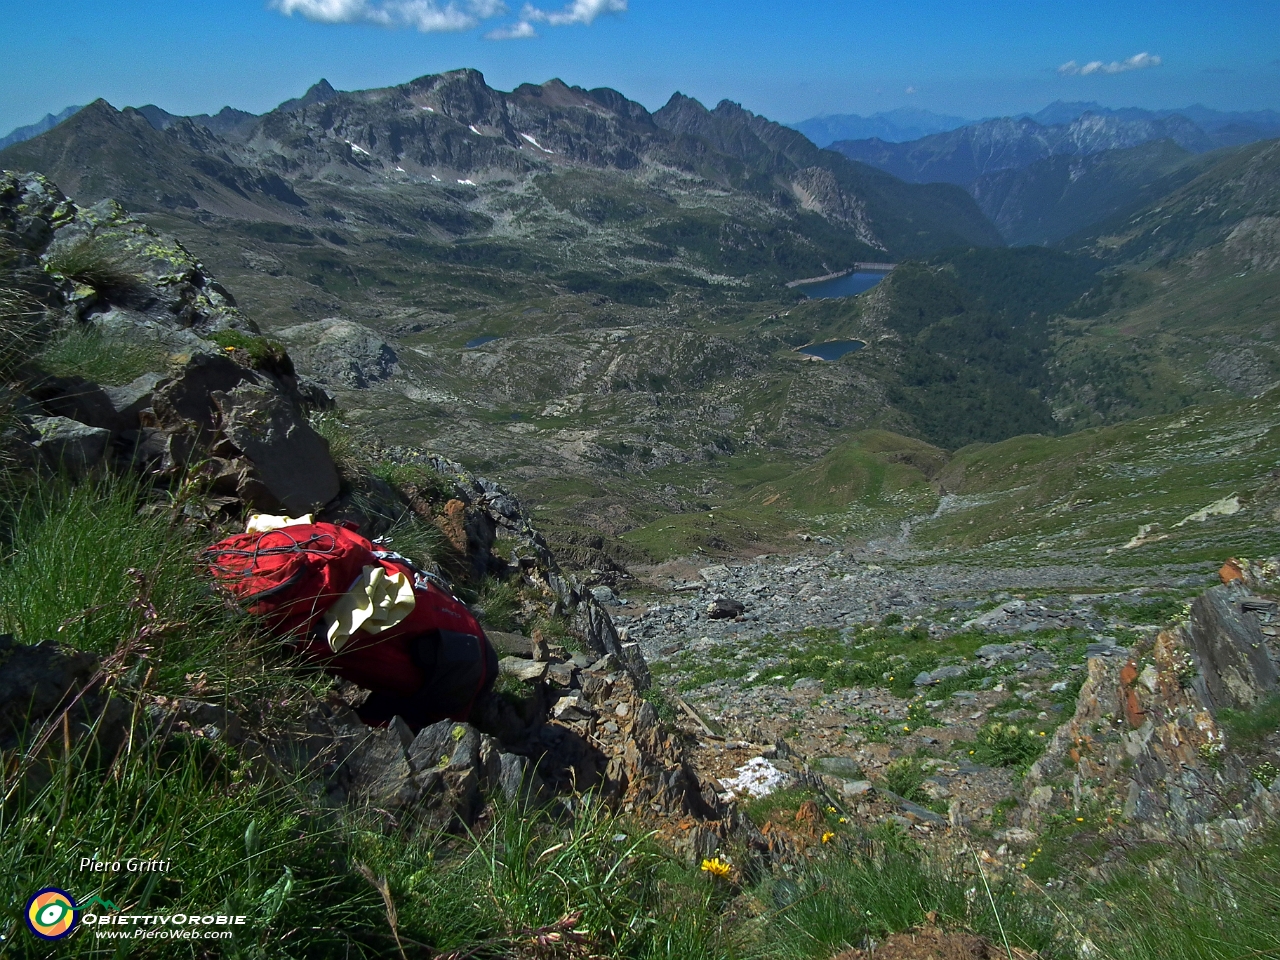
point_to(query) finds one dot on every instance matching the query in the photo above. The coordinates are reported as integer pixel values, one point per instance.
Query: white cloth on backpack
(377, 601)
(265, 522)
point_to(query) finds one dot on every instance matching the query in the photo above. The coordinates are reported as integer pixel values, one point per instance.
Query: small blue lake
(832, 349)
(479, 342)
(850, 285)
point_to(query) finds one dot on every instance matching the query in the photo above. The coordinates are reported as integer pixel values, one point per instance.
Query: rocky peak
(682, 114)
(317, 94)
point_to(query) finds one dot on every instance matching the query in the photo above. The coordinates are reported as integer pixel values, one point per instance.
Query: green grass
(904, 776)
(499, 604)
(1223, 907)
(84, 567)
(1084, 496)
(883, 656)
(874, 886)
(1008, 745)
(318, 881)
(109, 360)
(1249, 728)
(1158, 611)
(263, 353)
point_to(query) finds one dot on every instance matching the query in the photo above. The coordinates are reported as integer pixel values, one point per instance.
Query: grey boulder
(70, 445)
(290, 459)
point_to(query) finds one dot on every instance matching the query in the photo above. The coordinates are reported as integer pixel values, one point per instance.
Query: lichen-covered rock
(99, 257)
(70, 445)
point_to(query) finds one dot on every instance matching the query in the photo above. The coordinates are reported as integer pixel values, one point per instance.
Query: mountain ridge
(962, 156)
(49, 121)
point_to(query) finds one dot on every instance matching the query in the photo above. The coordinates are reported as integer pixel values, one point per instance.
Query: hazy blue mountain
(35, 129)
(1012, 143)
(892, 126)
(1225, 128)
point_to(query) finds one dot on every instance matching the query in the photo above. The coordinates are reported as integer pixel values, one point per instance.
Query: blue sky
(788, 61)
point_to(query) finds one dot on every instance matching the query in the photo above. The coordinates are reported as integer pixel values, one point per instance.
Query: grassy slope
(1190, 315)
(1078, 497)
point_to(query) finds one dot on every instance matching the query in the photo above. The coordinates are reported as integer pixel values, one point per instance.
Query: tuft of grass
(661, 703)
(413, 537)
(882, 886)
(499, 604)
(418, 480)
(263, 353)
(19, 317)
(114, 361)
(1008, 745)
(344, 445)
(904, 777)
(94, 261)
(1249, 728)
(1215, 906)
(235, 845)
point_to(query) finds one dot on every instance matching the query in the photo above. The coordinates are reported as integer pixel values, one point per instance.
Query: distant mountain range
(1041, 177)
(1251, 124)
(35, 129)
(1011, 143)
(893, 126)
(440, 132)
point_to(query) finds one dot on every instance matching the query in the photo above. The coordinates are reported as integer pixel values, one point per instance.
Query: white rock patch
(756, 778)
(1226, 507)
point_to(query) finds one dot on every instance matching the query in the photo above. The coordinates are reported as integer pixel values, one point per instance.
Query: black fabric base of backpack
(460, 669)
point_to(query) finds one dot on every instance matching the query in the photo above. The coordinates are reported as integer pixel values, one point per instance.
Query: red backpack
(432, 665)
(291, 576)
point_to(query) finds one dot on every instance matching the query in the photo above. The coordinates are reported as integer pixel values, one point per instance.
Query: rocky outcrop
(343, 353)
(238, 411)
(98, 260)
(290, 460)
(1146, 741)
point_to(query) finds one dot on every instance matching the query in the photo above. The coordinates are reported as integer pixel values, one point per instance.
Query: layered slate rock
(1228, 642)
(1147, 738)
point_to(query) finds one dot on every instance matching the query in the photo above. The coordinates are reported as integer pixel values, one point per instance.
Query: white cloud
(433, 16)
(521, 30)
(1139, 61)
(429, 16)
(912, 90)
(577, 11)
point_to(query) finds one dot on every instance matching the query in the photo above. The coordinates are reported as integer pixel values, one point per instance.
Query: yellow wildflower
(716, 867)
(826, 837)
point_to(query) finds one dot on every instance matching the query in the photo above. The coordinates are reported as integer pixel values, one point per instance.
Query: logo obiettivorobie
(51, 914)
